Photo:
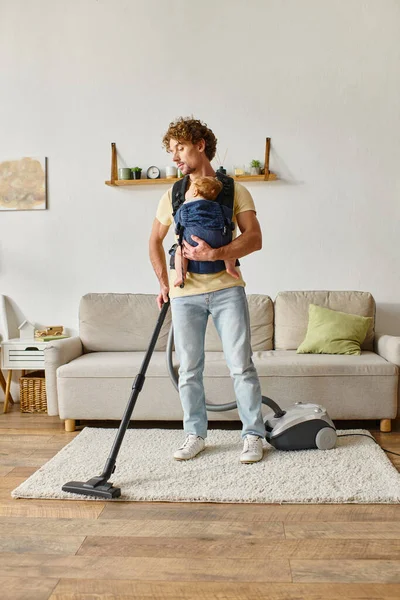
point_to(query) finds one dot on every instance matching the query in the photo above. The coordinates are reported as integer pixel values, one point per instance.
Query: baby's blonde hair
(208, 187)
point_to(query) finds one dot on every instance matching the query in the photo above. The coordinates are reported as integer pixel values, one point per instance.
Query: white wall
(320, 77)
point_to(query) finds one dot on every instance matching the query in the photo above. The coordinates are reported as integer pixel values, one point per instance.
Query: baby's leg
(181, 264)
(230, 268)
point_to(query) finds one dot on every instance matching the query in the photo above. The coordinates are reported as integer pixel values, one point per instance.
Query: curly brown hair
(191, 130)
(208, 187)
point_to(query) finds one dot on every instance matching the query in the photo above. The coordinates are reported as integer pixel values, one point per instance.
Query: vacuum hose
(211, 407)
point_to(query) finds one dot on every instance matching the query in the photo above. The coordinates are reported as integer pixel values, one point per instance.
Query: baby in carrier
(210, 222)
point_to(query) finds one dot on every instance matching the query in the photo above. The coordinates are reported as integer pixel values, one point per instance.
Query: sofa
(90, 376)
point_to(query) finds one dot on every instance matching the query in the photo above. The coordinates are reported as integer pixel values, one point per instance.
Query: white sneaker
(252, 449)
(192, 445)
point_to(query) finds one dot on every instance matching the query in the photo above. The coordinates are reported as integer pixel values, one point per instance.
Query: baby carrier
(210, 220)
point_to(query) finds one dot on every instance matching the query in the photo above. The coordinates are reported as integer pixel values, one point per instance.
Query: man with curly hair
(193, 146)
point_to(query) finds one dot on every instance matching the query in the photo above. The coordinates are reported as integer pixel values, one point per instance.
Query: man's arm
(157, 258)
(249, 241)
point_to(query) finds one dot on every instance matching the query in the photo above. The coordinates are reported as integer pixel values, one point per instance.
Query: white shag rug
(356, 471)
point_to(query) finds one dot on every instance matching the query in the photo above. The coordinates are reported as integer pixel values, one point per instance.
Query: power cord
(371, 438)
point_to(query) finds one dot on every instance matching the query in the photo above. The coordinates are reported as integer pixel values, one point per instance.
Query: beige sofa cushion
(120, 322)
(261, 311)
(291, 314)
(287, 364)
(270, 363)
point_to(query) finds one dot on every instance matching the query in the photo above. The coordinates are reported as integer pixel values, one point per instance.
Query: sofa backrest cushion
(291, 314)
(120, 322)
(261, 310)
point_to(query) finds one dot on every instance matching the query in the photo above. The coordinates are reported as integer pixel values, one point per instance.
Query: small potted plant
(136, 173)
(255, 166)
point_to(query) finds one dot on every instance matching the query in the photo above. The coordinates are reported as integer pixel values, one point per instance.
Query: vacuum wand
(100, 486)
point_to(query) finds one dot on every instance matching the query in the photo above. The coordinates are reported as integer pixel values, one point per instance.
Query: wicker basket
(32, 389)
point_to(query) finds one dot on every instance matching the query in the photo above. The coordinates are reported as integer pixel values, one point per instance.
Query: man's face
(186, 155)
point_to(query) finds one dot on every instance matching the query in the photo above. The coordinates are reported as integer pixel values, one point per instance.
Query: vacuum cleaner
(302, 426)
(99, 486)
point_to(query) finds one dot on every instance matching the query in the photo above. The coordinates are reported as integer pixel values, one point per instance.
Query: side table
(22, 355)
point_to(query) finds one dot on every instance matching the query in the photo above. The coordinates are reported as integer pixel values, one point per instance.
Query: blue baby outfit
(211, 222)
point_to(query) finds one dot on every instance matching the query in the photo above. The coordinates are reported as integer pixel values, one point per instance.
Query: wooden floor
(75, 550)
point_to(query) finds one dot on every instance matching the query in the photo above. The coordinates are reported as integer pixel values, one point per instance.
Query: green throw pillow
(333, 332)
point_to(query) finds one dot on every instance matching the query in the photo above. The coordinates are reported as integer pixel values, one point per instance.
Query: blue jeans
(230, 313)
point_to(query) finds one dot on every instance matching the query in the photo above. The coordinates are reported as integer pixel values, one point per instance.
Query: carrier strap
(179, 231)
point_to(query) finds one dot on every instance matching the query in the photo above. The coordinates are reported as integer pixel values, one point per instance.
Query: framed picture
(23, 184)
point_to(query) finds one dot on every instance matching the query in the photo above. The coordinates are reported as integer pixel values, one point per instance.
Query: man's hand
(162, 296)
(201, 252)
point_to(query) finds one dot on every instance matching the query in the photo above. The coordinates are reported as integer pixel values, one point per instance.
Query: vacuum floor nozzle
(104, 490)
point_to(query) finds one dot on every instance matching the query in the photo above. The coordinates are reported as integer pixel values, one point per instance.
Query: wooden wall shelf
(171, 181)
(114, 181)
(127, 182)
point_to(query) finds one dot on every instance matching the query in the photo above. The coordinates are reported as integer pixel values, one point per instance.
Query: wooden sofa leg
(386, 425)
(69, 425)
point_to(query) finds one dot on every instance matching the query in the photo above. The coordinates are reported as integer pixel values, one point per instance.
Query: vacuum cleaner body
(302, 426)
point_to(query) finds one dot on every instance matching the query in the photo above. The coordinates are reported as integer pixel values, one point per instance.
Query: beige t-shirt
(201, 283)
